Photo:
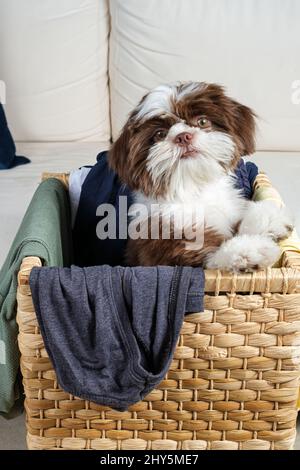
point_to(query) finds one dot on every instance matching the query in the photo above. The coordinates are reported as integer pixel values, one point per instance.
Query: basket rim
(284, 280)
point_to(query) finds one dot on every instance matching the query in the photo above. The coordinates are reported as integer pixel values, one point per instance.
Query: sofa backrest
(250, 46)
(53, 60)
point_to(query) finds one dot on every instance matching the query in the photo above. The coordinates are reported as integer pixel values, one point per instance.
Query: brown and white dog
(177, 152)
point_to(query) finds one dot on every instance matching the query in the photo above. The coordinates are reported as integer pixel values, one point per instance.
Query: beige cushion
(18, 185)
(250, 46)
(54, 62)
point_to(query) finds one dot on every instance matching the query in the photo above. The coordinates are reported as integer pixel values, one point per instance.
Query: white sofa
(74, 68)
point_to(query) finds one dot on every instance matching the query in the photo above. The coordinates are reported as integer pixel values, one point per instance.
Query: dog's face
(180, 136)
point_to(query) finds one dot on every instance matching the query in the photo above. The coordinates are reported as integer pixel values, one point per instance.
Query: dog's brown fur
(128, 154)
(128, 158)
(170, 252)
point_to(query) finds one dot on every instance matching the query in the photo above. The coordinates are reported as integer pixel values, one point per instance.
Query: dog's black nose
(184, 138)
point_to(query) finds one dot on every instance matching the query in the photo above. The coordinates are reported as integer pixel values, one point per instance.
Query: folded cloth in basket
(44, 232)
(110, 332)
(89, 187)
(100, 186)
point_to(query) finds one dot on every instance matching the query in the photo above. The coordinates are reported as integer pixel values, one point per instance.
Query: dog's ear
(239, 118)
(118, 154)
(245, 126)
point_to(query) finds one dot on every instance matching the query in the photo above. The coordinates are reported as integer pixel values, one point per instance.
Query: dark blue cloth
(8, 158)
(102, 186)
(111, 332)
(245, 176)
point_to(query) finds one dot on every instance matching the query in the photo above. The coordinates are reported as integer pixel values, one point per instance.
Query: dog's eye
(203, 122)
(160, 135)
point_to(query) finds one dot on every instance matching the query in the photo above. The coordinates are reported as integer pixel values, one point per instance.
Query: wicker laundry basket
(233, 382)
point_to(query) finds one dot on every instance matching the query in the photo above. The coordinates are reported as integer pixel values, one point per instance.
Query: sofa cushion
(54, 63)
(250, 46)
(18, 184)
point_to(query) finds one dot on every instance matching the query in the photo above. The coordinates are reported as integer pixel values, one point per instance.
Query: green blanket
(44, 232)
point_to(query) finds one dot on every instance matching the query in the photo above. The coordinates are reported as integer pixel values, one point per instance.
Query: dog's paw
(244, 253)
(265, 218)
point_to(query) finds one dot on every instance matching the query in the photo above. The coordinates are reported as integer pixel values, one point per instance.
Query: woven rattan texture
(233, 382)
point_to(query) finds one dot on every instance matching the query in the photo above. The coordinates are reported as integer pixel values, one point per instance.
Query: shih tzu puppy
(177, 152)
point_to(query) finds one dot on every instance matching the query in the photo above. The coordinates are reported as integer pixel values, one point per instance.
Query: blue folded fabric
(245, 174)
(101, 186)
(8, 157)
(111, 332)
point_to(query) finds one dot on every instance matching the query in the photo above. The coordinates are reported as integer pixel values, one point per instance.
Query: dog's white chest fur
(217, 205)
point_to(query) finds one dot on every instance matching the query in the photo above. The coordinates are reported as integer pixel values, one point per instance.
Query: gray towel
(111, 332)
